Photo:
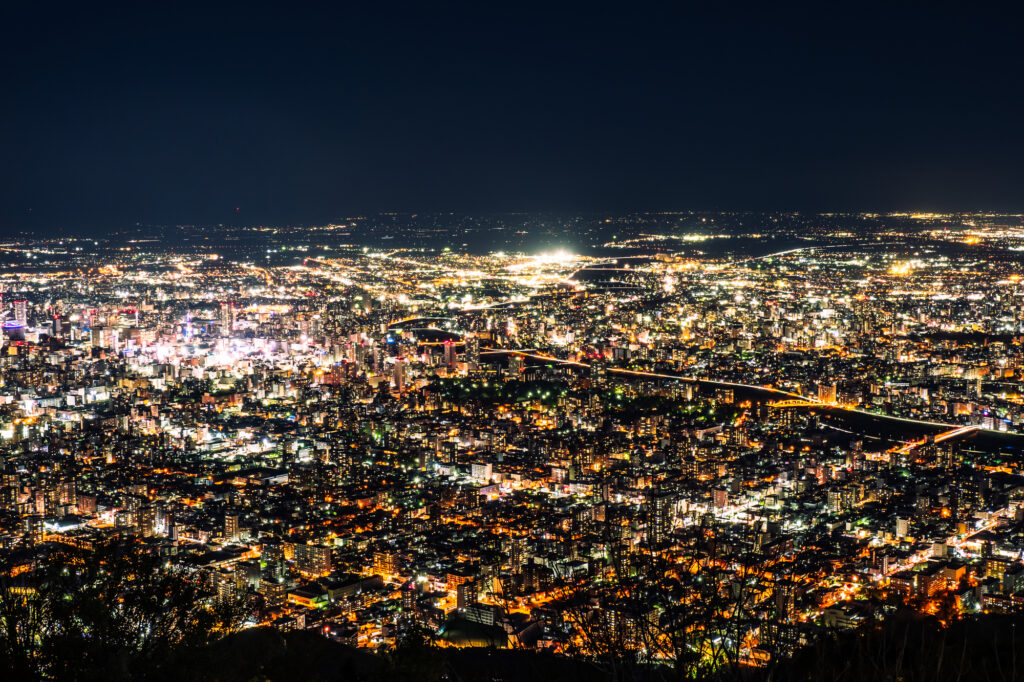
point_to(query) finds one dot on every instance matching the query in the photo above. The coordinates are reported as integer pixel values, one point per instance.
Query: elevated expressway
(786, 399)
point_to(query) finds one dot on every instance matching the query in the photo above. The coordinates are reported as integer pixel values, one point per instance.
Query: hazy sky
(292, 113)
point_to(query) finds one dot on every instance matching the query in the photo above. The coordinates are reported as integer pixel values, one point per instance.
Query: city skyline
(511, 342)
(697, 444)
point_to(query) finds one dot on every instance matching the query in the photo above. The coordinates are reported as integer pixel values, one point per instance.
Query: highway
(952, 430)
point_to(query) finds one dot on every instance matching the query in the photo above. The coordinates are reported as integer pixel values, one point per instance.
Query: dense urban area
(697, 441)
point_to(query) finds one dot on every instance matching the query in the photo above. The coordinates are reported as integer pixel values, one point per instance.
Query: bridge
(945, 435)
(796, 398)
(407, 320)
(796, 403)
(788, 399)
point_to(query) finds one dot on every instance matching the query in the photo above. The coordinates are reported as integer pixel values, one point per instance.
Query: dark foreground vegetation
(985, 649)
(115, 616)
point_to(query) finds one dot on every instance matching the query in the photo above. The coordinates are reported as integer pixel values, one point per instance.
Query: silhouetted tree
(416, 657)
(113, 614)
(913, 648)
(684, 612)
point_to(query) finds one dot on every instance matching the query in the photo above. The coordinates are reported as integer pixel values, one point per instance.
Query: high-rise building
(275, 593)
(312, 560)
(21, 311)
(231, 527)
(399, 375)
(659, 522)
(384, 563)
(472, 350)
(228, 316)
(466, 593)
(720, 498)
(902, 528)
(104, 337)
(86, 504)
(144, 520)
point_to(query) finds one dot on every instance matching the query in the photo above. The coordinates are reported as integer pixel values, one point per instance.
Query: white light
(555, 257)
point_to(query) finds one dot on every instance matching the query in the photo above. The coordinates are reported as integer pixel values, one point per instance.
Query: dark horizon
(252, 115)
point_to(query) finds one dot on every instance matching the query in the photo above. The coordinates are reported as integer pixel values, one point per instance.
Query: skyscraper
(228, 315)
(472, 350)
(21, 311)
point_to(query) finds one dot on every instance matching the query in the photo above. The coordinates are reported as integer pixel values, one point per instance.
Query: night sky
(113, 115)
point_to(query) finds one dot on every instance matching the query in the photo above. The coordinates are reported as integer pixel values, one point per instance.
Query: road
(953, 430)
